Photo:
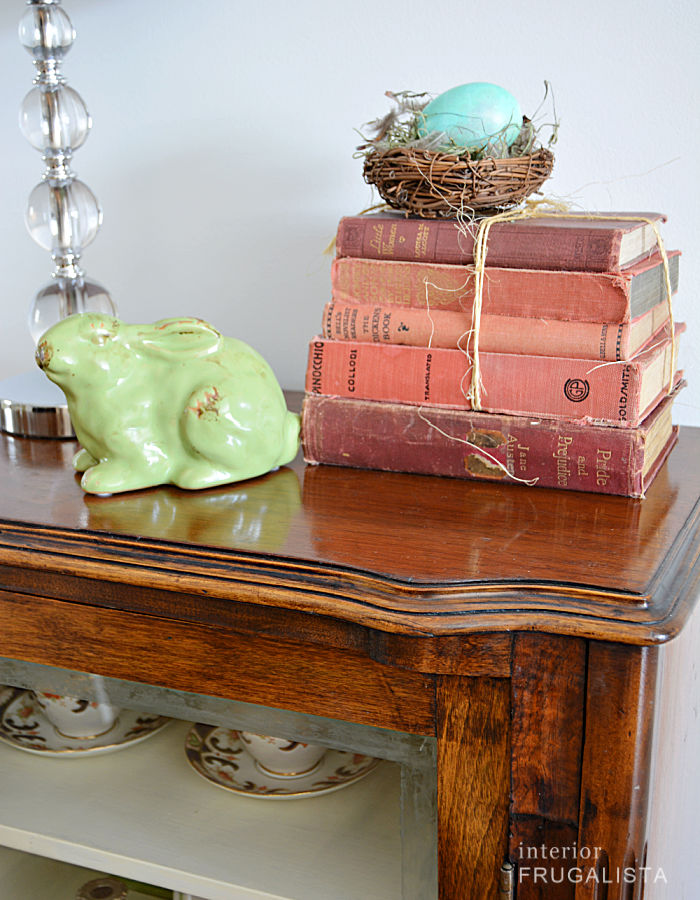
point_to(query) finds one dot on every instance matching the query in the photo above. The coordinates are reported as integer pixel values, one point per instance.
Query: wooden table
(522, 630)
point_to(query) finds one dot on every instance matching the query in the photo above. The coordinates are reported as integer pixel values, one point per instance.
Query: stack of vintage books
(577, 363)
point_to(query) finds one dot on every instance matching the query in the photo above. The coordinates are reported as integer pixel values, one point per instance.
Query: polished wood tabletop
(515, 625)
(411, 553)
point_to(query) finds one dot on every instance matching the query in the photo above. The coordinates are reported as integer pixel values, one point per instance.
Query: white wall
(222, 146)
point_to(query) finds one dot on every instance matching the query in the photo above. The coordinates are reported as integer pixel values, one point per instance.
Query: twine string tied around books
(480, 451)
(542, 208)
(468, 342)
(538, 209)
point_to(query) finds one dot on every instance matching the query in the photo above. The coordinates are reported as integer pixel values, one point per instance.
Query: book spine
(430, 441)
(498, 334)
(574, 389)
(574, 296)
(514, 246)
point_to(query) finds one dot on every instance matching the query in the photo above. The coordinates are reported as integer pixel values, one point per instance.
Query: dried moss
(400, 128)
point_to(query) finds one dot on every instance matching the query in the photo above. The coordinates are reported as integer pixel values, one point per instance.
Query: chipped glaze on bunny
(170, 403)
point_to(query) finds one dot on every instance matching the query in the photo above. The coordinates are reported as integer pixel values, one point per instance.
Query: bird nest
(429, 175)
(432, 184)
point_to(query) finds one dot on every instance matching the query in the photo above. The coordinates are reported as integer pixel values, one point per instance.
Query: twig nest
(433, 184)
(468, 150)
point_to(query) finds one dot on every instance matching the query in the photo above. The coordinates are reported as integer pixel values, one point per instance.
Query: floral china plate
(219, 755)
(23, 725)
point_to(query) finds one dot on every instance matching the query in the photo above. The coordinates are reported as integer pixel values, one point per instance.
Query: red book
(498, 334)
(578, 296)
(617, 393)
(401, 438)
(559, 241)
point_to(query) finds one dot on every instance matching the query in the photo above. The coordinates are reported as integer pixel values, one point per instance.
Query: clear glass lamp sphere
(46, 32)
(64, 217)
(54, 119)
(63, 297)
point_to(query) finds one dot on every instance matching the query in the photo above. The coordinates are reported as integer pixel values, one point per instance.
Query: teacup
(281, 756)
(105, 888)
(77, 718)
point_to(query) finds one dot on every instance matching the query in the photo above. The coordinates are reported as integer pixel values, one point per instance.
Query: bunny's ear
(184, 338)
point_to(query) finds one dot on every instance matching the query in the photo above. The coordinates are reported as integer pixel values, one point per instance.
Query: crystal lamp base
(31, 406)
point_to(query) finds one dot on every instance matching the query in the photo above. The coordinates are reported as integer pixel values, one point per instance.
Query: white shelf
(27, 877)
(145, 814)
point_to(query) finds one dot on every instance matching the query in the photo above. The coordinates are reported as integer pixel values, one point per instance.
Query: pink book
(576, 296)
(399, 437)
(580, 390)
(559, 241)
(498, 334)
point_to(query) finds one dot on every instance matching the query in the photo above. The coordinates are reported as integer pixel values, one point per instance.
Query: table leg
(616, 771)
(549, 700)
(473, 716)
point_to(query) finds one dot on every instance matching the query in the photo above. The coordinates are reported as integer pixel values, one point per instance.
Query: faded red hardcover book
(425, 440)
(614, 393)
(576, 296)
(559, 241)
(498, 334)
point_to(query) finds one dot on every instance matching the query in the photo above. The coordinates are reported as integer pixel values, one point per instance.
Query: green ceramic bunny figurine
(170, 403)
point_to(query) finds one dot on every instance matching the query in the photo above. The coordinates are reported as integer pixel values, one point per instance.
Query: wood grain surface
(221, 663)
(473, 716)
(406, 554)
(513, 624)
(549, 700)
(616, 769)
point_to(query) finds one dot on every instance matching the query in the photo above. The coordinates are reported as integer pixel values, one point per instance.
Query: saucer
(23, 725)
(219, 755)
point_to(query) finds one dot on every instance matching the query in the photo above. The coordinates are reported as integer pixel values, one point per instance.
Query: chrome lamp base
(31, 406)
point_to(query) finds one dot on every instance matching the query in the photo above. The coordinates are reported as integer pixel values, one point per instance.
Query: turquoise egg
(473, 114)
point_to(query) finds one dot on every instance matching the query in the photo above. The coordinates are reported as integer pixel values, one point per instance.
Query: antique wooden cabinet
(505, 648)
